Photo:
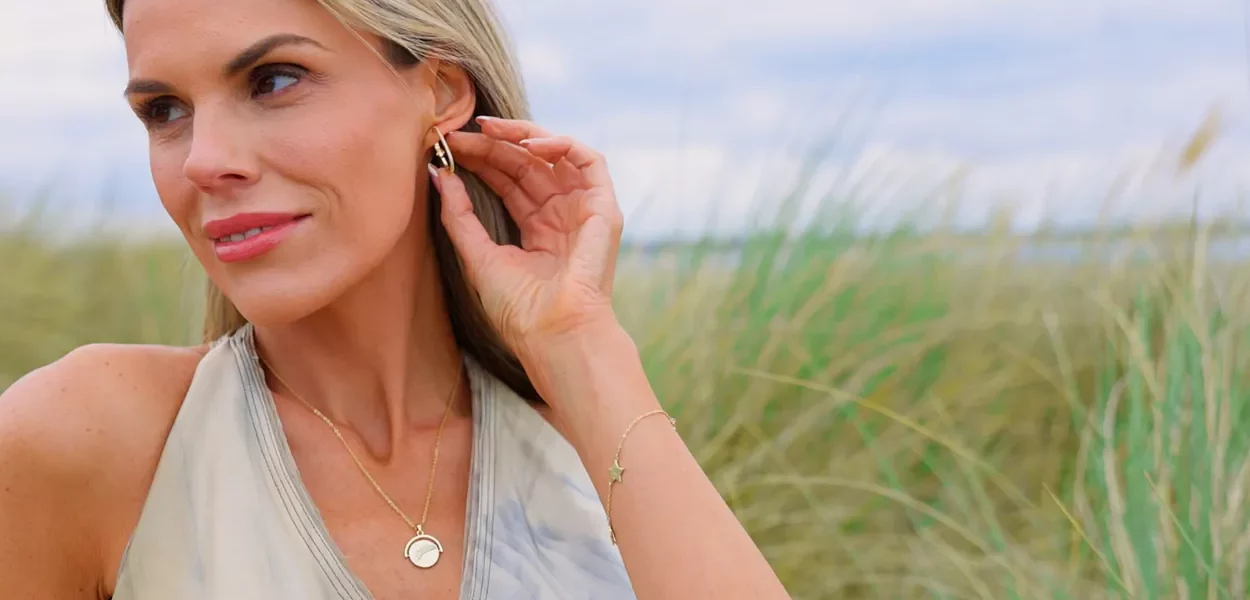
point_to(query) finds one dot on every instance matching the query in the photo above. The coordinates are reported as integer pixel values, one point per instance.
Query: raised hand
(559, 282)
(551, 299)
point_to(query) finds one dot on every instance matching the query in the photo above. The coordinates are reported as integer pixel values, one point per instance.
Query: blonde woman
(413, 384)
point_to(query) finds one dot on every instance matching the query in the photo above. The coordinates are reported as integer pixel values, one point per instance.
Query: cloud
(543, 63)
(59, 56)
(1098, 112)
(694, 30)
(893, 21)
(695, 101)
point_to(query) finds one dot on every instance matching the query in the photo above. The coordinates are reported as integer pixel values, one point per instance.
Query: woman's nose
(219, 156)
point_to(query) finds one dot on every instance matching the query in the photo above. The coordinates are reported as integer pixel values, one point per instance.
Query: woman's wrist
(592, 380)
(552, 358)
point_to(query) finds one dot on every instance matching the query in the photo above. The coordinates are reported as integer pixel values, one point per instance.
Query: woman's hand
(551, 299)
(558, 284)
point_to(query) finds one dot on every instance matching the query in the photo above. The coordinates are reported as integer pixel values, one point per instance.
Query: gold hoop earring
(442, 151)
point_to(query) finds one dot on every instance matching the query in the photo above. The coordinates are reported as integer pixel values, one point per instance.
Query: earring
(442, 151)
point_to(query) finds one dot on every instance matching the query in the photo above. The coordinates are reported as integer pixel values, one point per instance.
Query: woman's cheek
(176, 193)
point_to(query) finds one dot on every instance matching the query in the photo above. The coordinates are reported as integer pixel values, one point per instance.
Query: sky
(712, 111)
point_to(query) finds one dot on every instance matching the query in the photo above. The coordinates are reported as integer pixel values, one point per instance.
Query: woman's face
(283, 146)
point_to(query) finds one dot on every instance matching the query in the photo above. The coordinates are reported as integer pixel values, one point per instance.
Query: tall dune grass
(891, 420)
(897, 415)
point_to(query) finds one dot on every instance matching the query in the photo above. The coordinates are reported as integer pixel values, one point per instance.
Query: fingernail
(484, 118)
(434, 176)
(526, 142)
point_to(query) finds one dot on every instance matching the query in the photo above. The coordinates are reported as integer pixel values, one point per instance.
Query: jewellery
(423, 550)
(442, 151)
(616, 470)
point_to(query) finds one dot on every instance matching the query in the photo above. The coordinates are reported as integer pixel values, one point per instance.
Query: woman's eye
(162, 111)
(169, 113)
(274, 81)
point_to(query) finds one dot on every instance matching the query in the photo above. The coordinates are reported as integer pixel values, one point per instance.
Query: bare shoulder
(97, 396)
(79, 443)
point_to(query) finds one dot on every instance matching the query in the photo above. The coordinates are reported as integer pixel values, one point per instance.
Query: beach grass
(892, 420)
(903, 414)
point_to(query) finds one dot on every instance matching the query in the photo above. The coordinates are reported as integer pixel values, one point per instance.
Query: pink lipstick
(248, 235)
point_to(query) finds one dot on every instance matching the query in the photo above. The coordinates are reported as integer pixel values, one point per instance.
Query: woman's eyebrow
(146, 86)
(248, 57)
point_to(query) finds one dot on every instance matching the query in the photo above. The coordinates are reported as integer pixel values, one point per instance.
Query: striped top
(228, 517)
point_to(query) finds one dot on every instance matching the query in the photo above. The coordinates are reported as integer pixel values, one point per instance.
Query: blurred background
(948, 295)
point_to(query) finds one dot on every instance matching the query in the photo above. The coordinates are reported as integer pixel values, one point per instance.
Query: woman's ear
(455, 96)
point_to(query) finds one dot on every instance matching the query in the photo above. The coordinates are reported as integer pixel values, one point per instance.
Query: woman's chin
(280, 306)
(289, 291)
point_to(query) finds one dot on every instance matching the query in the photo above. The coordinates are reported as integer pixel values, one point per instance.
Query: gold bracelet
(616, 470)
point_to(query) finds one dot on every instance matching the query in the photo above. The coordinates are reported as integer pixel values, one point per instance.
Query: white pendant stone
(423, 551)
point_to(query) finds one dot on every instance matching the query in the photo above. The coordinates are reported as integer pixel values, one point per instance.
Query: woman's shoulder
(84, 433)
(96, 394)
(99, 404)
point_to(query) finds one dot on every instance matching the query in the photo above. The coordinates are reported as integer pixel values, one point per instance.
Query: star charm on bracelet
(616, 470)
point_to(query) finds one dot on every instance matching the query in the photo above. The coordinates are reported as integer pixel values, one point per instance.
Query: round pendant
(423, 550)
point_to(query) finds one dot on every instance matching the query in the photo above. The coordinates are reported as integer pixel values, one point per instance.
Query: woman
(414, 385)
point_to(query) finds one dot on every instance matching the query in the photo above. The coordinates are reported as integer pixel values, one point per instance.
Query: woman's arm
(48, 549)
(676, 534)
(79, 442)
(551, 300)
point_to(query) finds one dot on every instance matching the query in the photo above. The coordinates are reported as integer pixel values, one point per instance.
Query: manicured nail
(526, 142)
(434, 176)
(484, 118)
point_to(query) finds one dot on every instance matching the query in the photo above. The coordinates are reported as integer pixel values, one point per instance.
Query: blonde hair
(466, 33)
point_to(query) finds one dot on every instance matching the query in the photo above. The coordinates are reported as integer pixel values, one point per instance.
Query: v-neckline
(307, 518)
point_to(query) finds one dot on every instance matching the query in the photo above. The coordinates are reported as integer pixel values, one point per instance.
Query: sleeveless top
(228, 517)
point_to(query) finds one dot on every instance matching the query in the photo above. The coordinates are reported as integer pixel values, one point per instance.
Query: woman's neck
(380, 361)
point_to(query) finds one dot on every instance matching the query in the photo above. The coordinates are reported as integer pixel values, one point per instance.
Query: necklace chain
(418, 527)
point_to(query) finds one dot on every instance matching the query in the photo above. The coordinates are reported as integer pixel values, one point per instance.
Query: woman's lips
(249, 235)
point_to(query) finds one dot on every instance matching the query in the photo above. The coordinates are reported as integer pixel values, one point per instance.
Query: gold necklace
(422, 550)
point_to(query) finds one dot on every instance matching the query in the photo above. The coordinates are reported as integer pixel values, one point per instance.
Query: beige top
(228, 517)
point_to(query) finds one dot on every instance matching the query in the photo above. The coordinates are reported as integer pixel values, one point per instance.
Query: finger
(568, 175)
(515, 199)
(463, 227)
(533, 174)
(512, 130)
(614, 221)
(598, 240)
(594, 252)
(592, 164)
